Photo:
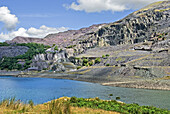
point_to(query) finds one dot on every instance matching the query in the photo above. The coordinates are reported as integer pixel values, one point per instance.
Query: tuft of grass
(31, 103)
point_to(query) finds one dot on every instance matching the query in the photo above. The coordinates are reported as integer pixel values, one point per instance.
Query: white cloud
(108, 5)
(7, 18)
(31, 32)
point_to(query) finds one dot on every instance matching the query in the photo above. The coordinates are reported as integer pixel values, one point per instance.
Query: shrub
(91, 63)
(56, 48)
(117, 98)
(110, 94)
(108, 64)
(85, 61)
(103, 56)
(107, 55)
(73, 100)
(87, 64)
(97, 60)
(79, 67)
(160, 36)
(53, 45)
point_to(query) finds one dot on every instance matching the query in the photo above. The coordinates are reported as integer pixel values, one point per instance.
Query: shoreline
(138, 84)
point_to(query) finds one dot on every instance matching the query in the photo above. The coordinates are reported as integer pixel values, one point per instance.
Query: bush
(87, 64)
(107, 55)
(160, 36)
(56, 48)
(79, 67)
(73, 100)
(85, 61)
(91, 63)
(107, 64)
(110, 94)
(103, 56)
(117, 98)
(97, 60)
(53, 45)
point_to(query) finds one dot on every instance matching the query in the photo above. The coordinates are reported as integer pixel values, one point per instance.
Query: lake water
(41, 90)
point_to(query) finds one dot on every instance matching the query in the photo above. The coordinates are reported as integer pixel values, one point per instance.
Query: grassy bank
(75, 105)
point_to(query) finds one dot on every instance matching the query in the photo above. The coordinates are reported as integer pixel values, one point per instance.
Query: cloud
(108, 5)
(7, 18)
(31, 32)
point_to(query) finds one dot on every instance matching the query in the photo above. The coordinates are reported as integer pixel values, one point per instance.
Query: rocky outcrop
(139, 26)
(52, 61)
(12, 51)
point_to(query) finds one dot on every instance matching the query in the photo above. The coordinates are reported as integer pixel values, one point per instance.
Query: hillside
(62, 39)
(132, 52)
(141, 25)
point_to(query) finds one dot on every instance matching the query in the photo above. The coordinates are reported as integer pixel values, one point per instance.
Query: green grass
(113, 105)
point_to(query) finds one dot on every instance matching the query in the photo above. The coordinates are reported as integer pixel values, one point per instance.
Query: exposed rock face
(137, 27)
(52, 61)
(12, 51)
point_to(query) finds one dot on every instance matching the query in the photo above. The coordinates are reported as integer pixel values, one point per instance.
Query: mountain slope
(63, 39)
(139, 26)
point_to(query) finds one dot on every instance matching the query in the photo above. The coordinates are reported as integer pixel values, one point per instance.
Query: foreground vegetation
(75, 105)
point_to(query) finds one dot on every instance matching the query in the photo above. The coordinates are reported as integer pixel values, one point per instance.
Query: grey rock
(12, 51)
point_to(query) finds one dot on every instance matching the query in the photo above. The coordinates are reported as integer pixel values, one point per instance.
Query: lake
(41, 90)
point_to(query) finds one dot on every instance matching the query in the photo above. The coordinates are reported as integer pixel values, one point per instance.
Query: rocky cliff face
(144, 24)
(139, 26)
(52, 61)
(12, 51)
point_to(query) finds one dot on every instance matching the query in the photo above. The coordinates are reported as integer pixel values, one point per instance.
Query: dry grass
(162, 10)
(58, 106)
(139, 59)
(149, 7)
(81, 72)
(77, 110)
(166, 78)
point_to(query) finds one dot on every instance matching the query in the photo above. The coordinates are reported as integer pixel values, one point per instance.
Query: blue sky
(60, 15)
